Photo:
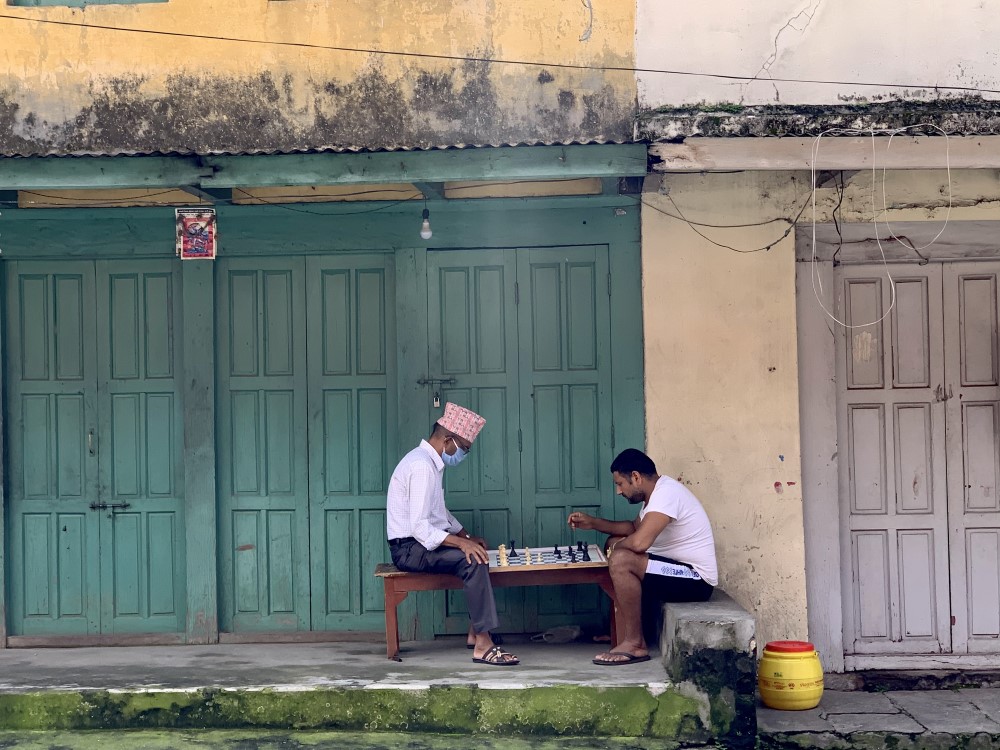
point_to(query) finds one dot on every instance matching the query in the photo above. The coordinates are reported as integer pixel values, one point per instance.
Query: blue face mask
(455, 458)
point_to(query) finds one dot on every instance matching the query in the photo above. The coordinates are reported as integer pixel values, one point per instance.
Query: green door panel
(94, 417)
(52, 418)
(142, 546)
(472, 324)
(263, 493)
(352, 434)
(565, 389)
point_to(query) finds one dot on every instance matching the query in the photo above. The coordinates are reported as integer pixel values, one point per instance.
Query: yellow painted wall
(722, 390)
(95, 87)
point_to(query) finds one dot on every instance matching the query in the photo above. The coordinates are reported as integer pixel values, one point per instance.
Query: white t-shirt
(688, 537)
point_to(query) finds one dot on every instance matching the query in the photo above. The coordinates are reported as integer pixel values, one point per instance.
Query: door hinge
(609, 284)
(520, 444)
(517, 293)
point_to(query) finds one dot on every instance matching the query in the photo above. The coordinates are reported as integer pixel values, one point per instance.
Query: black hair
(630, 460)
(437, 428)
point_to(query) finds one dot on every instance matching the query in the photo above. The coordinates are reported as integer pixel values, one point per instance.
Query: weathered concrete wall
(722, 384)
(847, 41)
(64, 88)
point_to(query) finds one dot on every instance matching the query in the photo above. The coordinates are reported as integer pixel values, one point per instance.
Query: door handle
(436, 382)
(109, 506)
(90, 443)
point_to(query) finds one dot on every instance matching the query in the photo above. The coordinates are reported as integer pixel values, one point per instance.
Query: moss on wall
(571, 710)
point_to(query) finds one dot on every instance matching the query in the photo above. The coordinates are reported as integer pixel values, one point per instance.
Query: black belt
(401, 540)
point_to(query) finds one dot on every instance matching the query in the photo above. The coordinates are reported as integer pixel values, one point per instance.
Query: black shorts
(667, 588)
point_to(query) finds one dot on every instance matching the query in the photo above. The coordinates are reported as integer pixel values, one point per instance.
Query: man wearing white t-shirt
(667, 554)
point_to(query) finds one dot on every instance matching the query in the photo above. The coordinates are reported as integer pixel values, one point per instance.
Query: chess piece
(558, 554)
(539, 559)
(586, 554)
(527, 556)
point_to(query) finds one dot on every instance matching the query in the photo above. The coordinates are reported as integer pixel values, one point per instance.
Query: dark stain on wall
(264, 113)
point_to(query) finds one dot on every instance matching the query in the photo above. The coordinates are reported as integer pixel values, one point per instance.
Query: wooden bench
(398, 584)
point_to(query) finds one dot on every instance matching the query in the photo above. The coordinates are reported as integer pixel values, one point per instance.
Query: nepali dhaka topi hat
(463, 422)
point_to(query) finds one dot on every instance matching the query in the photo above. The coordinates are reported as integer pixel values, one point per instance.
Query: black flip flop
(494, 658)
(631, 659)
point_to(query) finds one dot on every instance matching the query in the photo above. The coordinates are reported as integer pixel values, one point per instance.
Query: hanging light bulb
(425, 226)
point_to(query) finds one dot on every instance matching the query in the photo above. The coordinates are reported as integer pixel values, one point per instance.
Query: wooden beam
(848, 153)
(83, 172)
(519, 162)
(225, 172)
(431, 190)
(210, 195)
(861, 243)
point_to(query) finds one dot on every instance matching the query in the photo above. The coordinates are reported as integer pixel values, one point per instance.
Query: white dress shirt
(415, 504)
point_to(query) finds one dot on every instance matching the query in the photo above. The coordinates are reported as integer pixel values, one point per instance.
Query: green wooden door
(94, 420)
(525, 334)
(472, 331)
(352, 434)
(263, 487)
(306, 426)
(564, 334)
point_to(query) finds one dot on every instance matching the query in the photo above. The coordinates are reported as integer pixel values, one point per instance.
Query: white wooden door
(973, 442)
(891, 427)
(919, 436)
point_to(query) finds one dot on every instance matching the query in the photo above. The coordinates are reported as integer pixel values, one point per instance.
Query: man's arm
(580, 520)
(645, 533)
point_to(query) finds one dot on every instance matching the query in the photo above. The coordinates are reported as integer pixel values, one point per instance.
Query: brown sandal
(497, 657)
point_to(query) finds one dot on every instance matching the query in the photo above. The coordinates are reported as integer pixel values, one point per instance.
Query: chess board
(549, 559)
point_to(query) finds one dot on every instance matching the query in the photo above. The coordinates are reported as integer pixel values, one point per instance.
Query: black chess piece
(579, 546)
(557, 553)
(513, 551)
(586, 554)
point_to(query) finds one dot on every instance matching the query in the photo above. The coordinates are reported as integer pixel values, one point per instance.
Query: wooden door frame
(818, 418)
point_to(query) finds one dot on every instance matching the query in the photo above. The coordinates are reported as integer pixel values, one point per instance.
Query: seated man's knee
(611, 540)
(621, 562)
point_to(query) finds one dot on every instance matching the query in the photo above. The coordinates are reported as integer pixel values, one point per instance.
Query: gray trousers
(412, 557)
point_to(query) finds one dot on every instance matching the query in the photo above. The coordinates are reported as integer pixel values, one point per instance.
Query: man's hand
(578, 520)
(474, 549)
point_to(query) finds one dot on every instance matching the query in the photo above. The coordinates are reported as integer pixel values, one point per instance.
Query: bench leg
(609, 589)
(392, 600)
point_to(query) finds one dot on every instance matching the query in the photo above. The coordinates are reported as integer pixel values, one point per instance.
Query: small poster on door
(196, 233)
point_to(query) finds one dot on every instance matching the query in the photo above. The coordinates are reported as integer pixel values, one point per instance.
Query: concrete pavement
(903, 719)
(265, 695)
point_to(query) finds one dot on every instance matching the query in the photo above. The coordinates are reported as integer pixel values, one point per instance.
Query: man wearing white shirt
(424, 537)
(666, 555)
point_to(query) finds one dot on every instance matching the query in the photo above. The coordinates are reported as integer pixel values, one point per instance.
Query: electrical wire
(717, 226)
(490, 60)
(694, 227)
(814, 273)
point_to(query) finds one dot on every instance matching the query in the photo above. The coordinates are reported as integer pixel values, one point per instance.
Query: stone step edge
(670, 712)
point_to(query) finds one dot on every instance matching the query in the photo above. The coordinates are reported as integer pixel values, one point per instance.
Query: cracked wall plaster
(848, 50)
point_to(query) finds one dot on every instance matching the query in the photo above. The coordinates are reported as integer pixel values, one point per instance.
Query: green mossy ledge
(673, 714)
